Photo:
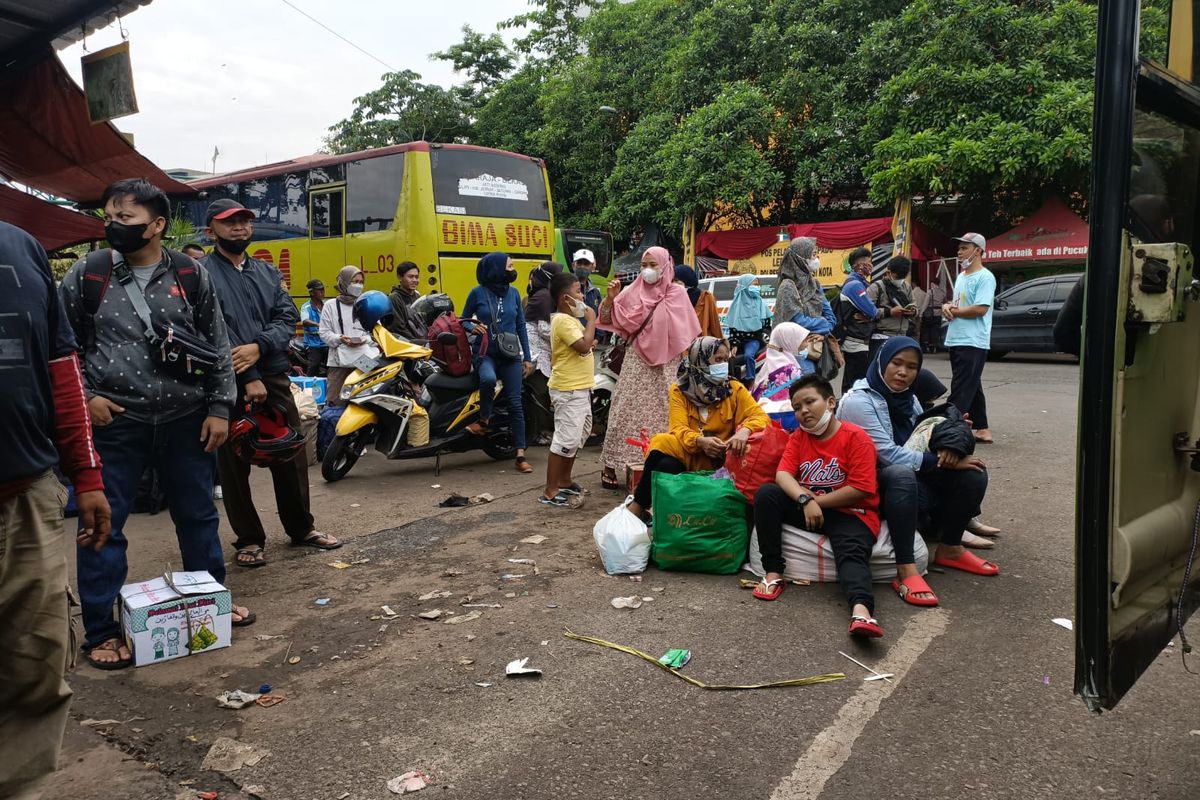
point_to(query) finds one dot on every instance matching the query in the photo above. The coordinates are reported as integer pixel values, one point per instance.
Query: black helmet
(431, 306)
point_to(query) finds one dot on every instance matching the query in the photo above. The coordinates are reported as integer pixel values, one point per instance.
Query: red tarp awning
(843, 235)
(51, 225)
(48, 142)
(1052, 233)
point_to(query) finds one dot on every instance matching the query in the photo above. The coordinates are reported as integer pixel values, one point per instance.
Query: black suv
(1024, 317)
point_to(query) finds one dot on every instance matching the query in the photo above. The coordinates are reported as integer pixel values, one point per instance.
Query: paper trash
(517, 669)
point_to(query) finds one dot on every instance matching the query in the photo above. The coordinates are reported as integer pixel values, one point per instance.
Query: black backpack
(98, 270)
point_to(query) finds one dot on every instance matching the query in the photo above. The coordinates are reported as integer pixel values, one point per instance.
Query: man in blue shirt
(969, 334)
(310, 320)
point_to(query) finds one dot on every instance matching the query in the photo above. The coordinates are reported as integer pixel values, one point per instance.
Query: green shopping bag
(699, 524)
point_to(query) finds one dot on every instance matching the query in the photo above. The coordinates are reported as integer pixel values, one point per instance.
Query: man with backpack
(261, 319)
(889, 293)
(856, 316)
(159, 379)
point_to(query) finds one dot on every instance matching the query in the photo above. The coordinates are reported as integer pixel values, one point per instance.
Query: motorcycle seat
(449, 383)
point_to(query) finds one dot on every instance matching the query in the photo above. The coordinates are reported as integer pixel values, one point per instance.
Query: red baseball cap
(226, 208)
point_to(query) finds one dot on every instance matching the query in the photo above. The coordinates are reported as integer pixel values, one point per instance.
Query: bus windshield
(477, 183)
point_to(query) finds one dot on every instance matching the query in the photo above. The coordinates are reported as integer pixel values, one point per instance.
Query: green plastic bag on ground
(699, 524)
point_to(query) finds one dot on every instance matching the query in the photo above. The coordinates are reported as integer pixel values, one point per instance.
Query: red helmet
(263, 437)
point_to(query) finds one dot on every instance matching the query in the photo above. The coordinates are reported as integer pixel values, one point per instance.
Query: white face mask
(354, 289)
(814, 264)
(650, 275)
(821, 426)
(579, 308)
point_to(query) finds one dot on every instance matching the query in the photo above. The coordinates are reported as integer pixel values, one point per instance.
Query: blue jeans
(510, 374)
(951, 497)
(185, 471)
(749, 350)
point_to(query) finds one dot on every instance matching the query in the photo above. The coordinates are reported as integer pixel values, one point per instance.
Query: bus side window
(326, 217)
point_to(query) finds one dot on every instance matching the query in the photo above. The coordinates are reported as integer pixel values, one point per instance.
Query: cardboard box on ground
(176, 615)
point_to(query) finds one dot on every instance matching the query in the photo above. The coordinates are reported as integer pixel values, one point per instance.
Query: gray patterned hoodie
(117, 363)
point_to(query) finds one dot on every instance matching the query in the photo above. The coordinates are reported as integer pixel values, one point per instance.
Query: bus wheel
(343, 454)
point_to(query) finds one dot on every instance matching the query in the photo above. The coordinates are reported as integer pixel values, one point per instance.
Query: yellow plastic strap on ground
(827, 678)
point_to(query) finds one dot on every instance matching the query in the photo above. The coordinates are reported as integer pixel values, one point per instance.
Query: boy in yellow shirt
(572, 375)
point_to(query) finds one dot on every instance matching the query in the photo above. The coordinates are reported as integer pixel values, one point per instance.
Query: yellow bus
(442, 206)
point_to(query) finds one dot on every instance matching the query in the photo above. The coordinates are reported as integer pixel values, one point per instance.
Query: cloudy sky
(261, 82)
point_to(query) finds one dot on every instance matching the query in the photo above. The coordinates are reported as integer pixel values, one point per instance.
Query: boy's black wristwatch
(803, 500)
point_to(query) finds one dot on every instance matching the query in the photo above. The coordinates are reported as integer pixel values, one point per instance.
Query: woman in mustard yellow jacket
(710, 416)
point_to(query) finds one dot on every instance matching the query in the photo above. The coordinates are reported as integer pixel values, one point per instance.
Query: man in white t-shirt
(969, 334)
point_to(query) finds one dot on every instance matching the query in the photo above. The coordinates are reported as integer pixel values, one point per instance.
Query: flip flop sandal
(981, 529)
(980, 440)
(866, 627)
(112, 645)
(256, 554)
(314, 540)
(773, 589)
(976, 542)
(574, 488)
(914, 584)
(610, 483)
(245, 621)
(969, 562)
(523, 465)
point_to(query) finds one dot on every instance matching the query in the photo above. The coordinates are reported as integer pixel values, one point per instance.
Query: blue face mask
(719, 371)
(754, 290)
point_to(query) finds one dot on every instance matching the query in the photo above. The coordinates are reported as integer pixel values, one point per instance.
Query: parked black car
(1024, 315)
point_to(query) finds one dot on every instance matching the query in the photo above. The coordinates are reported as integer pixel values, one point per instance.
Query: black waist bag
(180, 353)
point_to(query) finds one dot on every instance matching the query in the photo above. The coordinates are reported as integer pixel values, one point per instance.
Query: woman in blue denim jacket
(948, 487)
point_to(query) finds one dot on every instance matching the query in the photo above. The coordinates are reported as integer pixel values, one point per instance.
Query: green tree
(485, 60)
(555, 28)
(401, 110)
(992, 102)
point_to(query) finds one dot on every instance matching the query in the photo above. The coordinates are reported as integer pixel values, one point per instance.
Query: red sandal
(914, 584)
(866, 627)
(773, 589)
(969, 562)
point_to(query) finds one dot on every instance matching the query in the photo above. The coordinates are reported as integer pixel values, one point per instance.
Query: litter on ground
(676, 658)
(236, 699)
(339, 565)
(1063, 622)
(431, 614)
(464, 618)
(528, 561)
(626, 602)
(517, 669)
(436, 594)
(413, 781)
(815, 679)
(322, 601)
(537, 538)
(230, 755)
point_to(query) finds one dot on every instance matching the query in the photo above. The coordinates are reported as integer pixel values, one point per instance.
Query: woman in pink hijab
(656, 316)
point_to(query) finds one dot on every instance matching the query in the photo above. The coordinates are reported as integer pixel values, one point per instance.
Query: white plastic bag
(624, 541)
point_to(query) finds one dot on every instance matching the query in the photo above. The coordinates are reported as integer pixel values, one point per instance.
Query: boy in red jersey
(825, 482)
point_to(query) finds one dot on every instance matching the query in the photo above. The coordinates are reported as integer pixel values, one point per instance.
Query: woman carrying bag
(800, 299)
(497, 304)
(657, 322)
(338, 328)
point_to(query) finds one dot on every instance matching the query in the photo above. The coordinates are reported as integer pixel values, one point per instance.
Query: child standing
(826, 482)
(572, 375)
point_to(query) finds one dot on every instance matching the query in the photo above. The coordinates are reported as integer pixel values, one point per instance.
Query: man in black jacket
(405, 322)
(261, 319)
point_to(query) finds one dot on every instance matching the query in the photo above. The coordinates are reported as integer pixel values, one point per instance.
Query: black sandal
(113, 645)
(610, 483)
(257, 558)
(314, 539)
(248, 619)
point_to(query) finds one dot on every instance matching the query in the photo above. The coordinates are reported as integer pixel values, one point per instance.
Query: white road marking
(832, 746)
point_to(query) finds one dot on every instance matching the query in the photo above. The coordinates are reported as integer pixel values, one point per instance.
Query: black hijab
(901, 405)
(688, 277)
(540, 305)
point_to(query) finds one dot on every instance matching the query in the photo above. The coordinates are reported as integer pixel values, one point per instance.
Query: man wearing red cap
(969, 334)
(261, 319)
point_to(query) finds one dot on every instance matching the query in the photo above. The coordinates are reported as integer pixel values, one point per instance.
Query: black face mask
(510, 275)
(233, 246)
(126, 239)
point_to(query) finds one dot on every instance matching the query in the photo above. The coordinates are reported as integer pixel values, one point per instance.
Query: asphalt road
(980, 706)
